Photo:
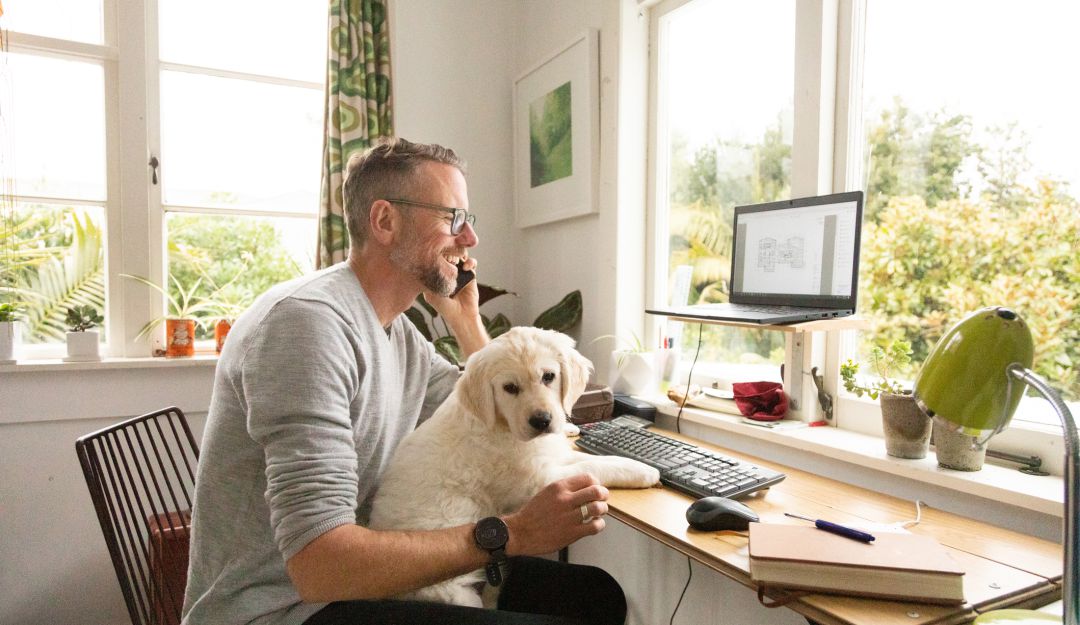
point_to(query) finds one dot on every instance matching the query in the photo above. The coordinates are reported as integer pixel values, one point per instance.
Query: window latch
(153, 169)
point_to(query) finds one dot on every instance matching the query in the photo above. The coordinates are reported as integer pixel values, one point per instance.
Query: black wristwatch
(491, 535)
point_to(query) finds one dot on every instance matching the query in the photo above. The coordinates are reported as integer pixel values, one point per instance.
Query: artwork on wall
(556, 134)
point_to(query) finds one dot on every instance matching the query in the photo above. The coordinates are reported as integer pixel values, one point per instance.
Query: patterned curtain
(357, 107)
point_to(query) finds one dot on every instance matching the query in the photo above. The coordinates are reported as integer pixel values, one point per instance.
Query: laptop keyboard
(691, 469)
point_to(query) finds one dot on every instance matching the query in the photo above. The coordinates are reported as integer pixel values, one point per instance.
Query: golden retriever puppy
(493, 444)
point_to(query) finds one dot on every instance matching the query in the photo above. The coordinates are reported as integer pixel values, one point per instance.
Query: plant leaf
(447, 347)
(417, 319)
(488, 293)
(562, 316)
(499, 325)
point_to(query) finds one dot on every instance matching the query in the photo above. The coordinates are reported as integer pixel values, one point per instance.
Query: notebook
(907, 567)
(794, 260)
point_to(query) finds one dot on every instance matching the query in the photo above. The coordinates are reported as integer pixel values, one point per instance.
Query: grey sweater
(311, 397)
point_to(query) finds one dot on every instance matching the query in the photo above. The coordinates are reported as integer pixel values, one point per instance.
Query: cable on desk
(689, 576)
(689, 377)
(918, 515)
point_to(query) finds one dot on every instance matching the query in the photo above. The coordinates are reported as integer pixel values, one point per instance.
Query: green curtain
(357, 107)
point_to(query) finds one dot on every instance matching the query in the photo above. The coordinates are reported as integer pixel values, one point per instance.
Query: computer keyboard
(691, 469)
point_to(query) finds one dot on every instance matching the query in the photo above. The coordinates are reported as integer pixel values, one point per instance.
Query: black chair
(141, 476)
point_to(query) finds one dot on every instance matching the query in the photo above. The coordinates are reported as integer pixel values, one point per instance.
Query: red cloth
(760, 401)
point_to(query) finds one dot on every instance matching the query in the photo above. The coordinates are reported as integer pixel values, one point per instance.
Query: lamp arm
(1070, 588)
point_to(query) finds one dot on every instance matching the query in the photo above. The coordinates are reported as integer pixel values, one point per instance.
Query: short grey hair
(387, 169)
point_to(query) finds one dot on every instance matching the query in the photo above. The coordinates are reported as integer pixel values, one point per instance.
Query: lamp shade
(965, 381)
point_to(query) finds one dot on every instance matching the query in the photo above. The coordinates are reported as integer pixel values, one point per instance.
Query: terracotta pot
(907, 428)
(221, 330)
(179, 338)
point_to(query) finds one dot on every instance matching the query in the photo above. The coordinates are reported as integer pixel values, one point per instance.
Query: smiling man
(318, 383)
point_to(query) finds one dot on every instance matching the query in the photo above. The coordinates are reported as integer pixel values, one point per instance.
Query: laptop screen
(802, 252)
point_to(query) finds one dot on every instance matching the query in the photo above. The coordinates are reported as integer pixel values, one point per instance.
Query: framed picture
(556, 134)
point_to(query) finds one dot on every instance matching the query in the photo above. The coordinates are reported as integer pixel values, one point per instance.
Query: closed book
(905, 567)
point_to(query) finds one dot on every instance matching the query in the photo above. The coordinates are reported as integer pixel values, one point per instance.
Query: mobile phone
(464, 276)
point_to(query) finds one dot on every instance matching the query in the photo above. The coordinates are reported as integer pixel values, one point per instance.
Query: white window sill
(38, 365)
(994, 483)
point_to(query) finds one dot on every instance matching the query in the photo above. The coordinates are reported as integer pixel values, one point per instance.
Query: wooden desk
(1002, 568)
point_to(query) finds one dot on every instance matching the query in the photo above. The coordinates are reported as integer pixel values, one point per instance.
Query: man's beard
(409, 257)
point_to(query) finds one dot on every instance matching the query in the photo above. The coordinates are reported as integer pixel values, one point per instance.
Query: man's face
(427, 251)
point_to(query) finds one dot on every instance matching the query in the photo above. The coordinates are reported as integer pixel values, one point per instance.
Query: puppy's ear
(474, 389)
(575, 370)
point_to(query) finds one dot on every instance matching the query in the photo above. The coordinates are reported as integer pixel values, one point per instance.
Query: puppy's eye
(511, 388)
(548, 378)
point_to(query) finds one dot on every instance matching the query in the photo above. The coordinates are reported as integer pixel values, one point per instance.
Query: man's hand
(462, 313)
(553, 518)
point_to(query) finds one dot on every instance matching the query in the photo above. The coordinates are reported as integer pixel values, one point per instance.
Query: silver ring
(585, 516)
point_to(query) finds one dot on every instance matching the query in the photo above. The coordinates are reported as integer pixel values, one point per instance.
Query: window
(723, 137)
(962, 146)
(970, 174)
(211, 180)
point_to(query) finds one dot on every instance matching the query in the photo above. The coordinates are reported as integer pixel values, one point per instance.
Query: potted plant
(9, 316)
(561, 317)
(632, 371)
(82, 342)
(180, 321)
(907, 429)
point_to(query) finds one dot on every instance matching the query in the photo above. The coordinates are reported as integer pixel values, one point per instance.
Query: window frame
(827, 144)
(133, 204)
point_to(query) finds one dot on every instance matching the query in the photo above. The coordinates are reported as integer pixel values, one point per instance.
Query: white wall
(54, 566)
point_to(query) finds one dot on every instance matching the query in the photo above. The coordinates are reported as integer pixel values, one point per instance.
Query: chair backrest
(141, 476)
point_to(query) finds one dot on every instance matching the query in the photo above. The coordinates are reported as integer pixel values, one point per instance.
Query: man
(319, 381)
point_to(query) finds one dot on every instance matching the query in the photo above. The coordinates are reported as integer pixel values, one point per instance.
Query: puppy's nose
(540, 420)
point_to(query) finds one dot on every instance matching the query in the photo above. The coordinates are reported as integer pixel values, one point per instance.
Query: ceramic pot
(82, 346)
(8, 336)
(956, 450)
(632, 373)
(907, 428)
(179, 338)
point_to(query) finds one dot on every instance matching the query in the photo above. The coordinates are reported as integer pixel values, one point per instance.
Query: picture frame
(556, 134)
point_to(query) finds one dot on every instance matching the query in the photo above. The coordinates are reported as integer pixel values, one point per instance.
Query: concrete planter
(632, 373)
(907, 428)
(956, 450)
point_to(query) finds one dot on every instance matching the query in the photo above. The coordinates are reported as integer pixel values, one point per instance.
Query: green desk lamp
(971, 382)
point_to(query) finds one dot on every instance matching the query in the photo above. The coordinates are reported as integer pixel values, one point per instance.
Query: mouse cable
(689, 576)
(918, 515)
(689, 377)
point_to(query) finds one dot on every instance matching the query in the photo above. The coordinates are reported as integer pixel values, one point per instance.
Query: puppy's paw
(570, 429)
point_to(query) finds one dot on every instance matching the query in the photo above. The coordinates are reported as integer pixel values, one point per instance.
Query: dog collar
(491, 535)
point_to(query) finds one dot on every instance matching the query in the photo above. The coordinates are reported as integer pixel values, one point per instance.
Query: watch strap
(497, 568)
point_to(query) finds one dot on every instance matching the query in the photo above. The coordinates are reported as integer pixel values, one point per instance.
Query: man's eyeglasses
(457, 223)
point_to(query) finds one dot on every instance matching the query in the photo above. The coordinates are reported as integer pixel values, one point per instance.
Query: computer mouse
(710, 514)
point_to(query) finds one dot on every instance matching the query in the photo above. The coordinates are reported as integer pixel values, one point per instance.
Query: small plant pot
(179, 338)
(83, 346)
(956, 450)
(221, 330)
(8, 337)
(907, 428)
(632, 373)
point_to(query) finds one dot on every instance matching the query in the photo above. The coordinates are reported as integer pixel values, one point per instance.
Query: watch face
(491, 533)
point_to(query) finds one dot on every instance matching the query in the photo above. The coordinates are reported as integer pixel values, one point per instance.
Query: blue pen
(828, 526)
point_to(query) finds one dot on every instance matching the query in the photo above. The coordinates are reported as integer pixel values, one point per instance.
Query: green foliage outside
(52, 259)
(550, 137)
(952, 224)
(705, 188)
(228, 261)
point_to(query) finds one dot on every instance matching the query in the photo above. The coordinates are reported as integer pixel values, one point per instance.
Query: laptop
(793, 260)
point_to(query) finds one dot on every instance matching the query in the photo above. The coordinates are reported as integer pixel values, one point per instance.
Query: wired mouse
(710, 514)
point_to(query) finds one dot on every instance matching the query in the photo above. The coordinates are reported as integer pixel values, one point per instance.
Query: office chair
(141, 476)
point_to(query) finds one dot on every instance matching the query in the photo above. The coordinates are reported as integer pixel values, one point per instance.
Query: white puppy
(495, 442)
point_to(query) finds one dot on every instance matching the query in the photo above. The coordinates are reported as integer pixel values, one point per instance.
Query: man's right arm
(353, 562)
